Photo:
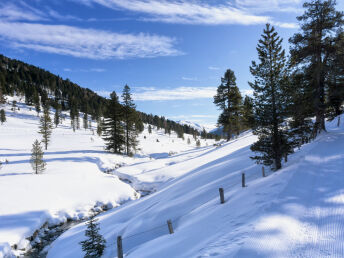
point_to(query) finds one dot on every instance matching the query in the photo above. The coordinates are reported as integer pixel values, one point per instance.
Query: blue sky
(172, 53)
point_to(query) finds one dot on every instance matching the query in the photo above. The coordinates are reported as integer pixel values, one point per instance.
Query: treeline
(42, 88)
(292, 96)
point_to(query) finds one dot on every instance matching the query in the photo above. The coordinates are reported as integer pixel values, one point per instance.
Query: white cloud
(248, 92)
(11, 12)
(86, 43)
(98, 70)
(180, 93)
(214, 68)
(189, 78)
(289, 6)
(192, 12)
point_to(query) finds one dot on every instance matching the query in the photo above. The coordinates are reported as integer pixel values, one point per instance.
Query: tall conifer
(112, 127)
(270, 81)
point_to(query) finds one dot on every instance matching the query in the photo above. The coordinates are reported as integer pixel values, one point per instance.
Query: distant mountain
(217, 131)
(196, 126)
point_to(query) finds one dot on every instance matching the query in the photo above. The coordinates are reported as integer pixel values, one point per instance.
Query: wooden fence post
(243, 179)
(170, 227)
(119, 247)
(263, 171)
(222, 196)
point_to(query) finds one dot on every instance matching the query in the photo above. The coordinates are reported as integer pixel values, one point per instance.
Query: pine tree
(113, 132)
(77, 119)
(149, 129)
(57, 116)
(2, 116)
(46, 127)
(299, 108)
(198, 143)
(311, 51)
(336, 80)
(2, 98)
(247, 113)
(94, 245)
(85, 121)
(130, 118)
(228, 99)
(99, 127)
(14, 106)
(37, 162)
(269, 100)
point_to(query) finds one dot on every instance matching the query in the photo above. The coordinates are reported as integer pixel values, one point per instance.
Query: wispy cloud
(192, 12)
(214, 68)
(20, 12)
(86, 43)
(98, 70)
(189, 78)
(179, 93)
(287, 6)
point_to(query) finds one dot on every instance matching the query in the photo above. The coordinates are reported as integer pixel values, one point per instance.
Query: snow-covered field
(74, 181)
(295, 212)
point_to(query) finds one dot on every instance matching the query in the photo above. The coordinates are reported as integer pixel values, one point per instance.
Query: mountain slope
(74, 182)
(295, 212)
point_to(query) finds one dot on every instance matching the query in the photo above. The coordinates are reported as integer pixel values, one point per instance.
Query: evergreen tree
(130, 118)
(2, 116)
(336, 80)
(269, 100)
(37, 162)
(247, 113)
(37, 102)
(72, 119)
(94, 245)
(311, 50)
(228, 99)
(77, 119)
(14, 106)
(113, 132)
(57, 116)
(149, 129)
(299, 108)
(85, 121)
(46, 127)
(198, 143)
(2, 98)
(99, 127)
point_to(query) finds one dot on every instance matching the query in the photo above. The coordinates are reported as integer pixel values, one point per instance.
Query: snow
(74, 181)
(295, 212)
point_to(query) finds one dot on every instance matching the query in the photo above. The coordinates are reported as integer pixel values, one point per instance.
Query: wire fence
(162, 227)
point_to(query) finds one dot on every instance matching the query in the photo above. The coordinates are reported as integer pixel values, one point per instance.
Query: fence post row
(119, 247)
(222, 196)
(170, 227)
(243, 179)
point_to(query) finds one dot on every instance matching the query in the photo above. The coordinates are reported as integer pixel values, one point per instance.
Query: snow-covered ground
(295, 212)
(74, 181)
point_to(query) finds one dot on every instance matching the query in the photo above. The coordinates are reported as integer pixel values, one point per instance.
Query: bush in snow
(37, 163)
(94, 245)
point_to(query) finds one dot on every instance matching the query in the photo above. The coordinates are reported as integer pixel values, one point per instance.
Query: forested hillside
(40, 87)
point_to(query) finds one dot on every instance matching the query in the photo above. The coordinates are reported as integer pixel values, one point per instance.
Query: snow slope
(295, 212)
(74, 181)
